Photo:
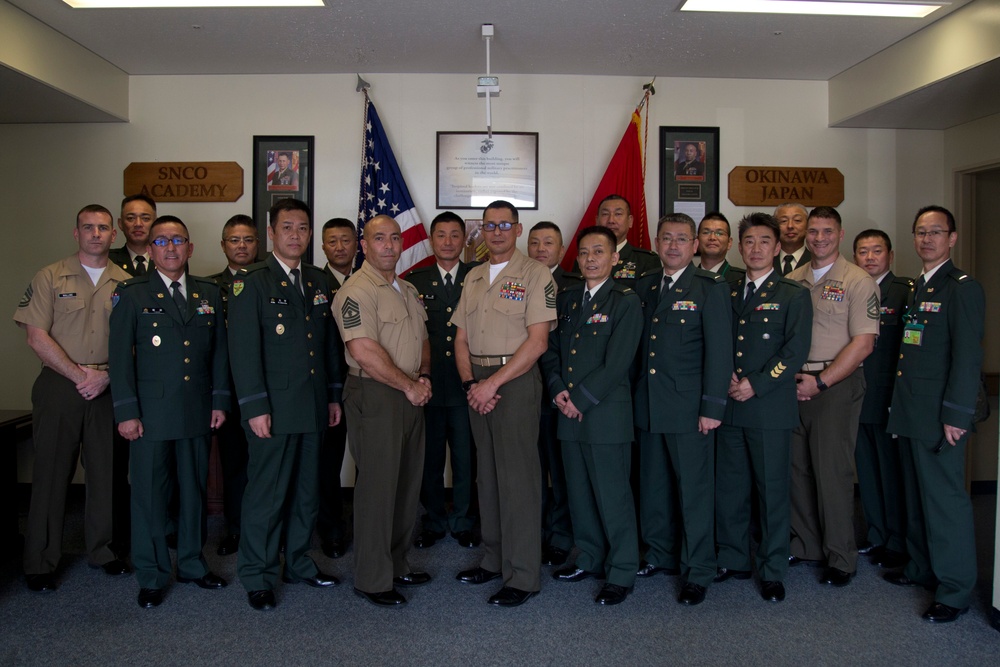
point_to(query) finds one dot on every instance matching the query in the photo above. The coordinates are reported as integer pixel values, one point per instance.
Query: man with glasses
(933, 405)
(239, 244)
(287, 377)
(502, 326)
(684, 367)
(170, 383)
(714, 241)
(830, 387)
(64, 313)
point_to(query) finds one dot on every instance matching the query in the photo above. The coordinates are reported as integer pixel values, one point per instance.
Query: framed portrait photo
(689, 170)
(282, 169)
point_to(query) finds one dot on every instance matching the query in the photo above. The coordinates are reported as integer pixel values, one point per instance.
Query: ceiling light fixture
(890, 8)
(172, 4)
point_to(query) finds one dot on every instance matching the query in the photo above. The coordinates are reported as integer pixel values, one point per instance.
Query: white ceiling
(629, 37)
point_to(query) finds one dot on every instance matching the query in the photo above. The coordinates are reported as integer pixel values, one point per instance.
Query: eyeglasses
(714, 232)
(236, 240)
(163, 241)
(502, 226)
(932, 234)
(667, 239)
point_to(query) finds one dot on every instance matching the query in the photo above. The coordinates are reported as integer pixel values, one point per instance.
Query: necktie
(920, 284)
(788, 265)
(449, 286)
(751, 288)
(665, 287)
(140, 265)
(586, 298)
(175, 289)
(296, 283)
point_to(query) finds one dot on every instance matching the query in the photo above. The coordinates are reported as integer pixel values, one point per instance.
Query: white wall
(50, 171)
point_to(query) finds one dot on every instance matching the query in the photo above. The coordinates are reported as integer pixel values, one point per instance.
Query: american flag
(383, 191)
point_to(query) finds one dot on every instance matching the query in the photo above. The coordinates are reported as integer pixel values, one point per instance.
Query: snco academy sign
(770, 186)
(185, 181)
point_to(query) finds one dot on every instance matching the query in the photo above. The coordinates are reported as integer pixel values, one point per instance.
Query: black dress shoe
(794, 561)
(691, 594)
(229, 545)
(384, 599)
(612, 594)
(867, 548)
(150, 597)
(835, 577)
(648, 570)
(574, 573)
(115, 567)
(208, 581)
(466, 539)
(510, 597)
(412, 579)
(334, 548)
(477, 575)
(890, 559)
(942, 613)
(427, 538)
(41, 583)
(900, 579)
(772, 591)
(554, 555)
(261, 600)
(724, 573)
(318, 580)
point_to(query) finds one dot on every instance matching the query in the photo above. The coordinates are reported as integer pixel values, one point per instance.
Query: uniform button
(448, 338)
(572, 351)
(743, 321)
(448, 353)
(739, 370)
(186, 360)
(652, 354)
(312, 371)
(570, 369)
(307, 318)
(448, 309)
(309, 335)
(683, 321)
(187, 378)
(187, 343)
(653, 337)
(450, 324)
(280, 315)
(156, 324)
(311, 353)
(765, 319)
(899, 373)
(655, 320)
(652, 371)
(740, 337)
(210, 323)
(900, 355)
(576, 335)
(570, 385)
(739, 354)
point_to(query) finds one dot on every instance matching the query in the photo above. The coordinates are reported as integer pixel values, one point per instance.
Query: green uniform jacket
(564, 279)
(179, 370)
(686, 355)
(284, 347)
(938, 380)
(880, 365)
(341, 353)
(772, 334)
(439, 306)
(122, 258)
(590, 354)
(732, 274)
(224, 279)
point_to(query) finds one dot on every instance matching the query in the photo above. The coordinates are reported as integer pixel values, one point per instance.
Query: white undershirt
(495, 270)
(94, 273)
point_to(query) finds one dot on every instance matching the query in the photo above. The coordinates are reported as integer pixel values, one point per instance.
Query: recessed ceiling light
(891, 8)
(148, 4)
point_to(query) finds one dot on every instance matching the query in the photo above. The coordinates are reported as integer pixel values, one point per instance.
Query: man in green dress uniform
(615, 213)
(933, 404)
(587, 373)
(772, 327)
(684, 367)
(283, 348)
(714, 241)
(169, 368)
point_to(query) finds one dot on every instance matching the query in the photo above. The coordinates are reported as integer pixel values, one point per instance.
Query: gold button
(576, 335)
(765, 319)
(280, 315)
(572, 351)
(743, 321)
(448, 338)
(307, 318)
(448, 309)
(210, 323)
(186, 360)
(899, 373)
(449, 323)
(739, 354)
(309, 335)
(312, 371)
(653, 337)
(683, 321)
(739, 370)
(740, 337)
(156, 324)
(655, 320)
(652, 354)
(187, 378)
(187, 343)
(570, 385)
(570, 369)
(448, 353)
(652, 371)
(900, 355)
(311, 353)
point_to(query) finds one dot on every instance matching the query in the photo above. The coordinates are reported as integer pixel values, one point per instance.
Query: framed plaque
(689, 170)
(474, 169)
(282, 169)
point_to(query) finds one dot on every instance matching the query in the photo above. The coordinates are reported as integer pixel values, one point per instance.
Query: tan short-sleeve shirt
(496, 317)
(63, 301)
(368, 306)
(845, 304)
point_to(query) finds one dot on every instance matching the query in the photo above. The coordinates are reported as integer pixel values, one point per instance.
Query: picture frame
(474, 169)
(282, 168)
(689, 170)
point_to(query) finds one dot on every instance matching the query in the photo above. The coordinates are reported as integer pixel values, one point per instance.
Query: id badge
(913, 334)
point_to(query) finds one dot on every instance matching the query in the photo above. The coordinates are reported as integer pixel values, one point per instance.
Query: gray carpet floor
(93, 620)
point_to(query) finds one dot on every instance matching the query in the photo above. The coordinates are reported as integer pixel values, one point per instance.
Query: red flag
(624, 177)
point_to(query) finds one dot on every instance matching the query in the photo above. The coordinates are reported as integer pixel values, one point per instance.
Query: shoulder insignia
(351, 313)
(651, 272)
(550, 294)
(26, 298)
(237, 286)
(873, 307)
(644, 251)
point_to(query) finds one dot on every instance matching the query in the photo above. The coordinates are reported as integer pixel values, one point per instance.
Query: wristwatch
(467, 385)
(822, 386)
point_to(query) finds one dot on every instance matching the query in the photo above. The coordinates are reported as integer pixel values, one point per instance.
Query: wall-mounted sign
(770, 186)
(185, 181)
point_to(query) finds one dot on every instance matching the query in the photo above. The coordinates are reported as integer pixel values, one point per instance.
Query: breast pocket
(829, 314)
(68, 305)
(684, 325)
(511, 315)
(281, 326)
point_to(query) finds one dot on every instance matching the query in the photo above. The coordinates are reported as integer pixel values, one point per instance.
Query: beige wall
(50, 171)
